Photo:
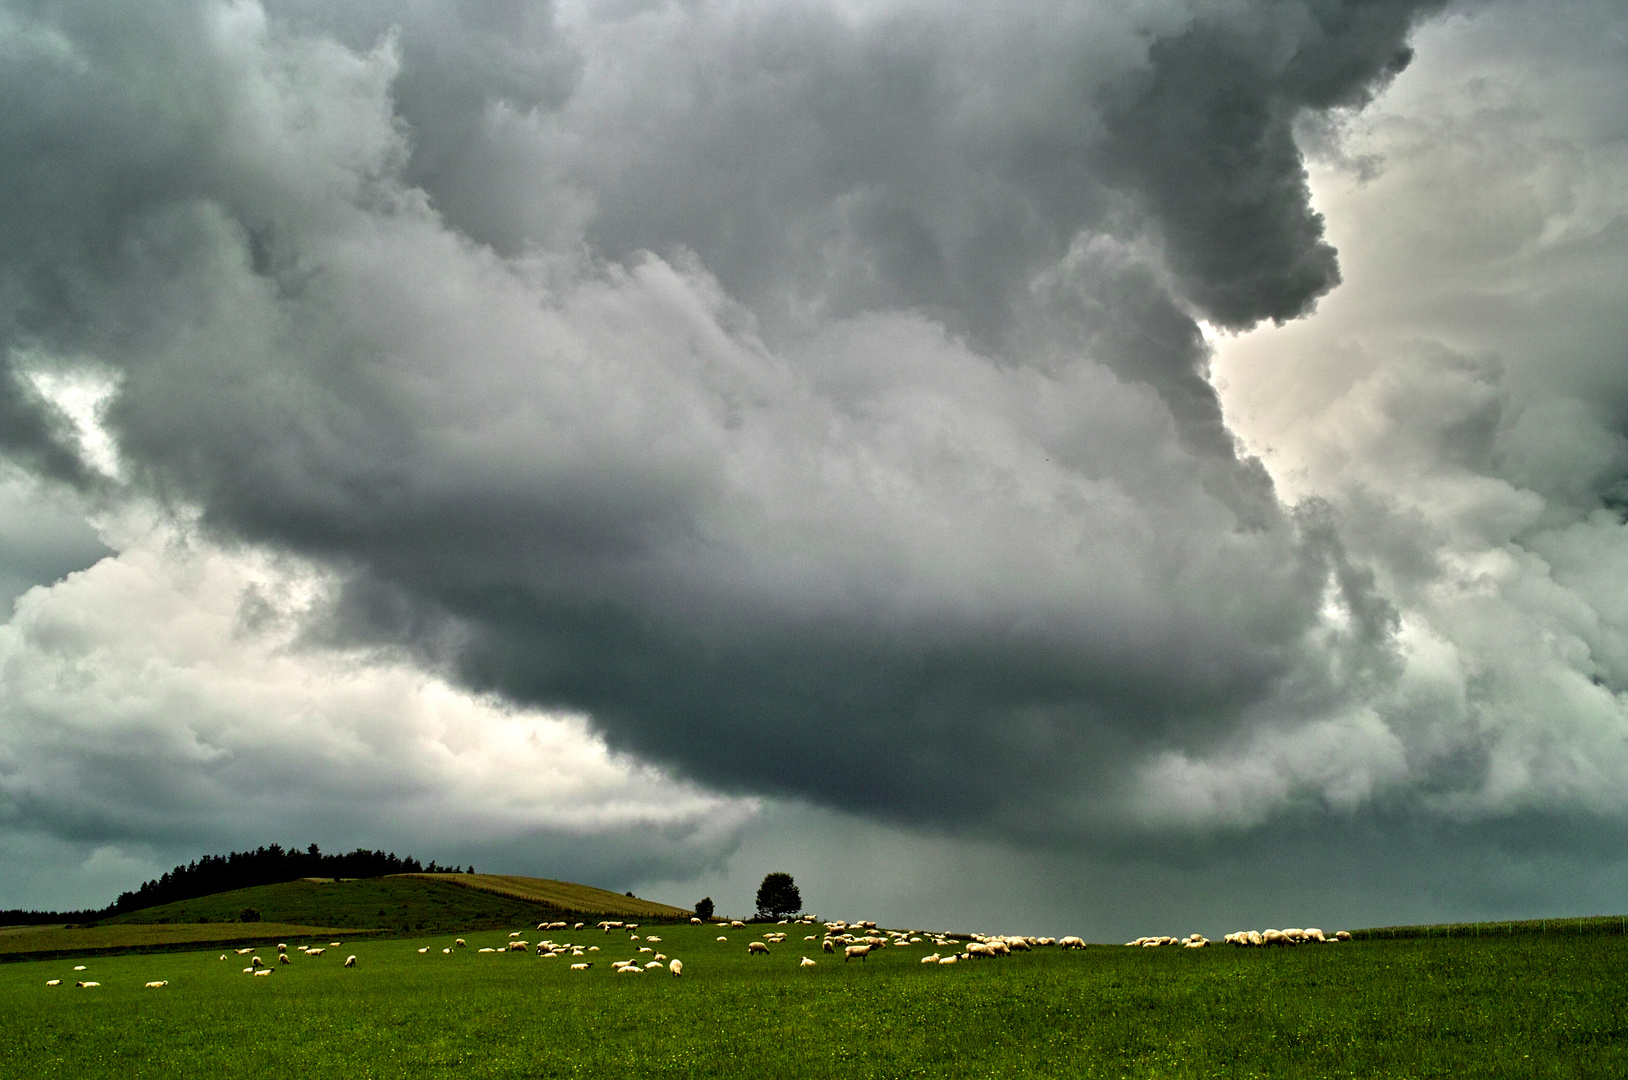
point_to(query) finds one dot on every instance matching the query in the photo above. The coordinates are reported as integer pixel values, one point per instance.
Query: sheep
(1314, 934)
(646, 948)
(651, 937)
(447, 951)
(584, 966)
(53, 982)
(519, 946)
(248, 971)
(265, 971)
(256, 962)
(1342, 935)
(654, 964)
(158, 985)
(930, 958)
(676, 967)
(223, 956)
(979, 949)
(282, 958)
(350, 961)
(1275, 937)
(952, 959)
(851, 951)
(578, 926)
(695, 921)
(315, 952)
(86, 984)
(736, 924)
(659, 956)
(487, 950)
(722, 938)
(282, 947)
(460, 944)
(631, 969)
(756, 947)
(335, 944)
(811, 937)
(1071, 942)
(827, 946)
(806, 962)
(245, 952)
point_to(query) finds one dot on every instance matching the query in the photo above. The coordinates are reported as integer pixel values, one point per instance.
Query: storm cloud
(816, 400)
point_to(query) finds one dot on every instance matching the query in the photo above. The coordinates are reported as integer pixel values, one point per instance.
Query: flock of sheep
(856, 940)
(1248, 939)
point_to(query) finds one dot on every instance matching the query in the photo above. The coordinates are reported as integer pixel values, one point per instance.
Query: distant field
(562, 895)
(402, 903)
(51, 939)
(1586, 925)
(1526, 1006)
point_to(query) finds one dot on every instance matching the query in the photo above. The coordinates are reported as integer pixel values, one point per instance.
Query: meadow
(1520, 1006)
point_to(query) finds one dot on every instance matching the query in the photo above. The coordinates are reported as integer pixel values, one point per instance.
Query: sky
(1045, 467)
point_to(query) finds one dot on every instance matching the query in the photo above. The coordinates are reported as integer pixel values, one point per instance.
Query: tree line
(267, 865)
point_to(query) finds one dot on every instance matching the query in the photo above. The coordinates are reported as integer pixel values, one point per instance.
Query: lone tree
(778, 896)
(703, 908)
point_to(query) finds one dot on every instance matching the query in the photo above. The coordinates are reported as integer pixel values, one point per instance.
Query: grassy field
(1522, 1006)
(402, 903)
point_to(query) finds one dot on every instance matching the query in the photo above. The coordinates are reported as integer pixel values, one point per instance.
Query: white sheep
(736, 924)
(930, 958)
(158, 984)
(460, 944)
(265, 971)
(695, 922)
(828, 946)
(350, 961)
(53, 982)
(676, 967)
(851, 951)
(584, 966)
(282, 958)
(85, 984)
(756, 947)
(282, 947)
(806, 962)
(722, 938)
(256, 962)
(1071, 942)
(654, 964)
(631, 969)
(1342, 935)
(951, 959)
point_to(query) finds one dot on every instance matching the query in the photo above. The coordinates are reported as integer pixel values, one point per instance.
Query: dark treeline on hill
(238, 870)
(266, 866)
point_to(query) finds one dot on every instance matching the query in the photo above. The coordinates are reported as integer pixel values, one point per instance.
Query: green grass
(1587, 925)
(404, 903)
(1522, 1006)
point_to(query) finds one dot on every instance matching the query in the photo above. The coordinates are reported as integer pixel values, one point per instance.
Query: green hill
(406, 902)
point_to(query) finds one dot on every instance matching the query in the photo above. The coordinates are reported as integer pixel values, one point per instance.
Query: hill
(406, 903)
(562, 896)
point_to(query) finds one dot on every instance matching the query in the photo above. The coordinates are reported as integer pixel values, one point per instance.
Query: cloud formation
(815, 399)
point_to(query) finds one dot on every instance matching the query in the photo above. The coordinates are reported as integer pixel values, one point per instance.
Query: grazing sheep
(223, 956)
(517, 933)
(722, 938)
(651, 937)
(584, 966)
(248, 971)
(930, 958)
(245, 952)
(756, 947)
(979, 949)
(256, 962)
(265, 971)
(335, 944)
(487, 950)
(827, 946)
(851, 951)
(158, 984)
(736, 924)
(676, 967)
(659, 956)
(646, 948)
(654, 964)
(85, 984)
(282, 958)
(1314, 934)
(79, 967)
(1342, 935)
(447, 951)
(578, 926)
(315, 952)
(53, 982)
(1071, 942)
(350, 961)
(282, 947)
(460, 944)
(953, 959)
(631, 969)
(1255, 937)
(1276, 937)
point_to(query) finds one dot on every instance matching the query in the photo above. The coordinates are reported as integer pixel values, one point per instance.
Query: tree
(248, 914)
(703, 908)
(778, 896)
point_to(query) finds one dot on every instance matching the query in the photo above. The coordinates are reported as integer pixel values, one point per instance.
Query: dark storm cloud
(893, 480)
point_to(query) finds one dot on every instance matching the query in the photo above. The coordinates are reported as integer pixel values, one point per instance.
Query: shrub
(248, 914)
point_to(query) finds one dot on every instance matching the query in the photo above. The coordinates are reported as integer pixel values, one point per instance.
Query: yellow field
(563, 895)
(22, 941)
